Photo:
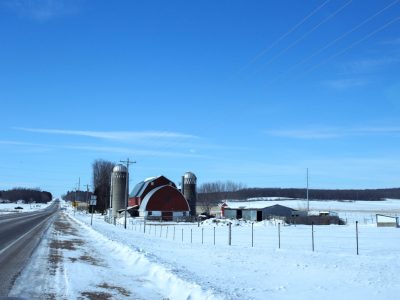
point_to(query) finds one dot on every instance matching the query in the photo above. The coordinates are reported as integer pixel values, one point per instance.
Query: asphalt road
(19, 236)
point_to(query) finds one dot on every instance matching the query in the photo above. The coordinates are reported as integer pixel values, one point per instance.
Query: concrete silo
(189, 181)
(118, 189)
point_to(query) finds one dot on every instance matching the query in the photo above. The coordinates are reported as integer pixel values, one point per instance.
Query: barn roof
(148, 197)
(251, 207)
(142, 186)
(164, 188)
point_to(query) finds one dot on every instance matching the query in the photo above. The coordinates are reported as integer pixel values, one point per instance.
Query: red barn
(159, 198)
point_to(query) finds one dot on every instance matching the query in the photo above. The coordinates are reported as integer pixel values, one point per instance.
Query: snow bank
(170, 284)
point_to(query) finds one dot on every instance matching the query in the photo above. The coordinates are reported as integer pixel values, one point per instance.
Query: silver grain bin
(118, 189)
(189, 191)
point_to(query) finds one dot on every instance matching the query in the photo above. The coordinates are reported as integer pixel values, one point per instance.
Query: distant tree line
(210, 193)
(314, 194)
(28, 195)
(220, 187)
(81, 196)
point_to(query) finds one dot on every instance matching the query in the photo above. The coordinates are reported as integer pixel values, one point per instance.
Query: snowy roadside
(76, 262)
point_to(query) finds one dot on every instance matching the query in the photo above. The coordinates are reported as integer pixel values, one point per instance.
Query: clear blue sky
(250, 91)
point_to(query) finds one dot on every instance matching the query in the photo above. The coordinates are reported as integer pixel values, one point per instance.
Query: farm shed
(283, 211)
(387, 221)
(261, 213)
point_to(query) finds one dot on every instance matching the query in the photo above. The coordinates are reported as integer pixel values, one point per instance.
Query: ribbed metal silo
(189, 191)
(118, 189)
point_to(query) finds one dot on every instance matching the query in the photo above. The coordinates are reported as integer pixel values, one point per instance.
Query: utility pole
(76, 195)
(75, 202)
(110, 220)
(308, 201)
(128, 162)
(87, 195)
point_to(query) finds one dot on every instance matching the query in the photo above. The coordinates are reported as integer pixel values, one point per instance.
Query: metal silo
(189, 191)
(118, 189)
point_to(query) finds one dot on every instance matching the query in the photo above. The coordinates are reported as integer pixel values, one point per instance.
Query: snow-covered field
(8, 208)
(182, 261)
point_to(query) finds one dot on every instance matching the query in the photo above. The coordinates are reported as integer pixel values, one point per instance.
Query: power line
(353, 44)
(302, 21)
(330, 44)
(309, 32)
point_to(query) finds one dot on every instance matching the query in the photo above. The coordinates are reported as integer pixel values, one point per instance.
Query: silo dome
(120, 168)
(190, 175)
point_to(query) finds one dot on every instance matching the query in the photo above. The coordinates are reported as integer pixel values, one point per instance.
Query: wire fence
(354, 238)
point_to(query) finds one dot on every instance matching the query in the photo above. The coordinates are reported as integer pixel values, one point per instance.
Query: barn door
(166, 215)
(259, 215)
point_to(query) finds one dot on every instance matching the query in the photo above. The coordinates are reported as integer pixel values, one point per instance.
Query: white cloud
(378, 130)
(329, 133)
(115, 135)
(135, 152)
(17, 143)
(105, 149)
(370, 65)
(395, 41)
(305, 133)
(341, 84)
(43, 10)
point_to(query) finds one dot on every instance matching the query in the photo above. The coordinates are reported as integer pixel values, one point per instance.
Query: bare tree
(102, 170)
(221, 187)
(210, 193)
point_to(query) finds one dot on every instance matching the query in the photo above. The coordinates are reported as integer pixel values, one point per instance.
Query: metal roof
(120, 168)
(141, 186)
(138, 188)
(190, 175)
